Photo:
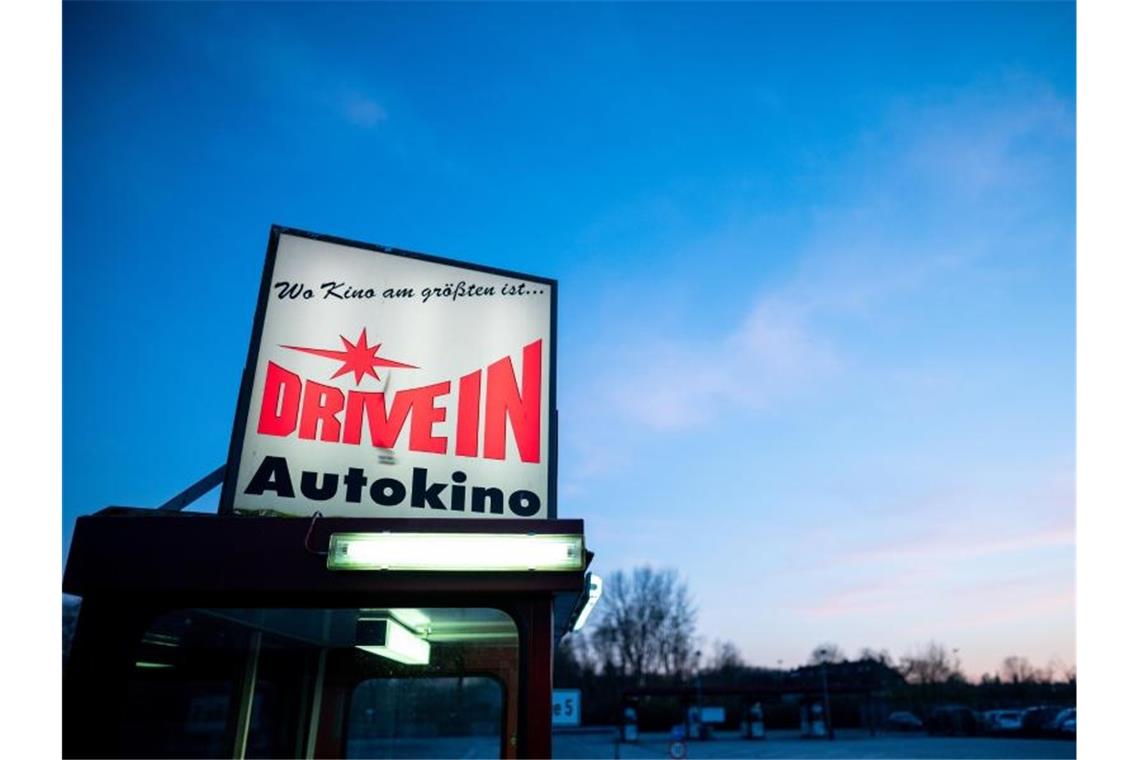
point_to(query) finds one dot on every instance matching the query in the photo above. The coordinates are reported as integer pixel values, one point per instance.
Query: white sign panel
(387, 384)
(566, 709)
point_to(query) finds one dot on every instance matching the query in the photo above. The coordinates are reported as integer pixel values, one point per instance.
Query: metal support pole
(193, 493)
(535, 713)
(315, 705)
(245, 705)
(827, 703)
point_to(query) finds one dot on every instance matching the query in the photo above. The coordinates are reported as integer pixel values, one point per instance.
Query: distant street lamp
(700, 703)
(697, 679)
(822, 654)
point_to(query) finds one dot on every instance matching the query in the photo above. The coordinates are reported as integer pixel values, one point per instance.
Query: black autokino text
(273, 476)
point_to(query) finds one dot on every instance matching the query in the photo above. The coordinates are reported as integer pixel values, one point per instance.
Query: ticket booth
(227, 636)
(386, 575)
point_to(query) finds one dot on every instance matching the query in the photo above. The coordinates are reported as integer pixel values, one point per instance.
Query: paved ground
(848, 744)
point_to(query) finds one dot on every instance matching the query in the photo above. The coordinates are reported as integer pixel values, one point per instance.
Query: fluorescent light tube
(474, 552)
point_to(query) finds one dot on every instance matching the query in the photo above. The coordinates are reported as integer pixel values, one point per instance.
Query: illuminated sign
(383, 383)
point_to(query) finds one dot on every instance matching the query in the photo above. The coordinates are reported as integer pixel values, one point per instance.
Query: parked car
(1064, 724)
(1035, 721)
(1003, 721)
(953, 720)
(902, 720)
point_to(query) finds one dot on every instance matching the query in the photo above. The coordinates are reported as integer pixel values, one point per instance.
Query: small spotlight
(592, 597)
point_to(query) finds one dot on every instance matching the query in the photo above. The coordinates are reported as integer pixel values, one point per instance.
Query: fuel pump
(754, 722)
(629, 725)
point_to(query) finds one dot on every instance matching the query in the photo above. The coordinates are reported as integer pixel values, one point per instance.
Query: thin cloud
(677, 384)
(254, 50)
(939, 191)
(364, 111)
(924, 596)
(963, 546)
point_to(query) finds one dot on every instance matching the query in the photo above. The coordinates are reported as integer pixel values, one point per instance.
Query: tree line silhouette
(642, 646)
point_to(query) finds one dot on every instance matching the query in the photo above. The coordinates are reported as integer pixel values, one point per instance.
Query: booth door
(359, 683)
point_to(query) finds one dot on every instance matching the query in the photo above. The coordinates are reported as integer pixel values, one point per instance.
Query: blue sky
(816, 329)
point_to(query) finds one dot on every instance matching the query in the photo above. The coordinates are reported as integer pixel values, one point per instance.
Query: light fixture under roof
(384, 636)
(456, 552)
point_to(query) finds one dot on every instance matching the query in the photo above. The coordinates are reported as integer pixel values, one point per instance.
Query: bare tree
(1070, 674)
(1016, 669)
(881, 656)
(677, 649)
(571, 661)
(827, 653)
(726, 657)
(932, 664)
(646, 624)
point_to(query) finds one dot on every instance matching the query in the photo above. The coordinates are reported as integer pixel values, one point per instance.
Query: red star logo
(359, 358)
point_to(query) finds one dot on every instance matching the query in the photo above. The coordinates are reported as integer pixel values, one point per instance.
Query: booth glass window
(426, 717)
(361, 682)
